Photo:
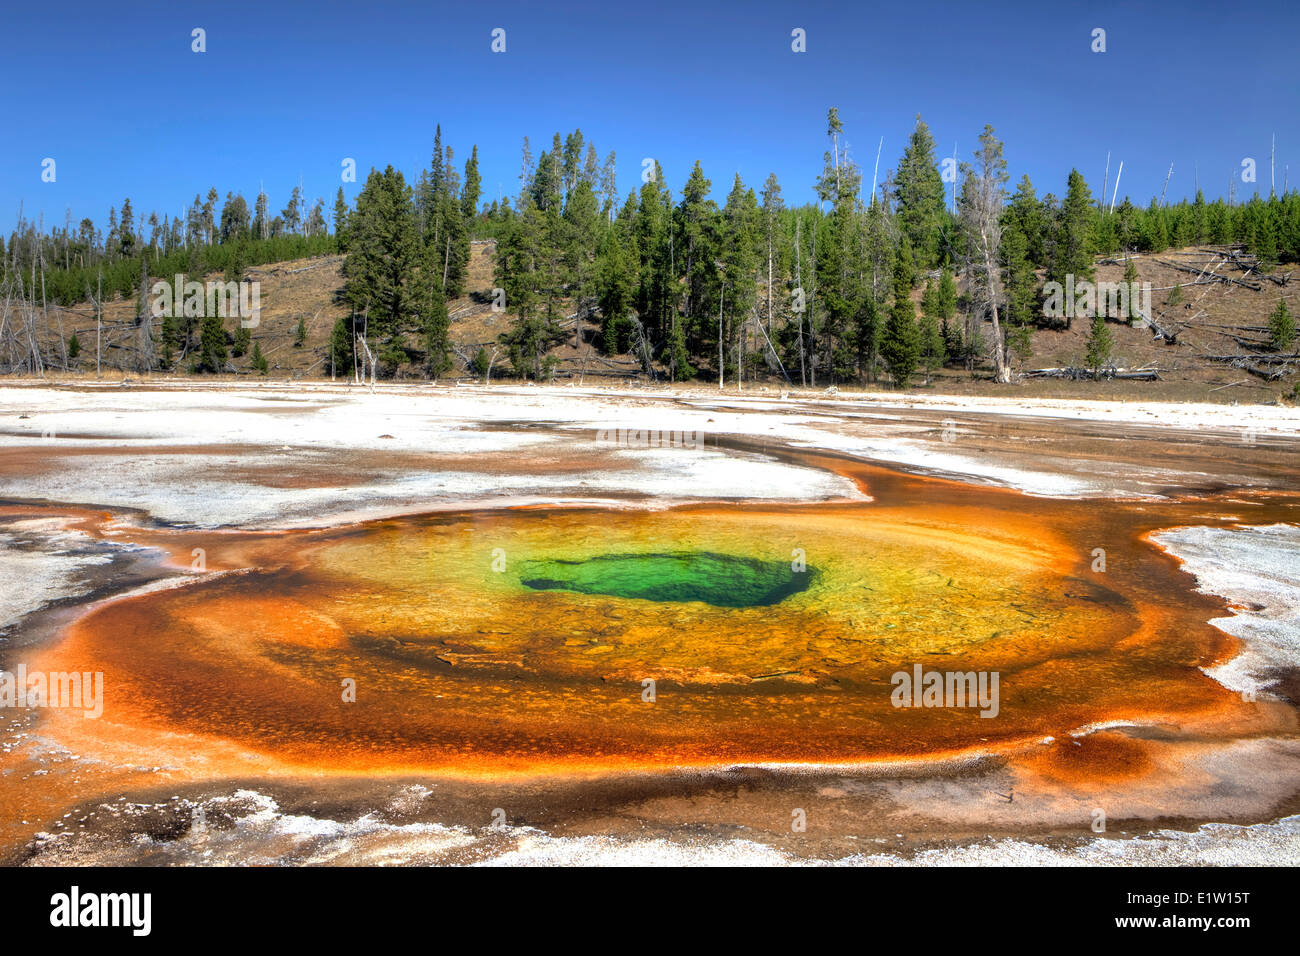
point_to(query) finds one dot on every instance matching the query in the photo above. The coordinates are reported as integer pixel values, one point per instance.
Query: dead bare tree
(798, 284)
(487, 379)
(145, 319)
(979, 210)
(99, 319)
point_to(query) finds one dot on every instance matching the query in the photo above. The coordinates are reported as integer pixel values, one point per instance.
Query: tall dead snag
(99, 318)
(45, 308)
(983, 193)
(144, 316)
(6, 334)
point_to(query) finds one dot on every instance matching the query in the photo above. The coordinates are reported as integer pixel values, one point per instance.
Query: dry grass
(307, 290)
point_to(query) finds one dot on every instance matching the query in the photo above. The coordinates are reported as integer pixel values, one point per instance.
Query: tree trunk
(812, 317)
(769, 282)
(798, 271)
(999, 354)
(722, 368)
(99, 319)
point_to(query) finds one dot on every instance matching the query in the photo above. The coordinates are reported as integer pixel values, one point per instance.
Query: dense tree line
(407, 252)
(818, 293)
(208, 239)
(63, 266)
(824, 292)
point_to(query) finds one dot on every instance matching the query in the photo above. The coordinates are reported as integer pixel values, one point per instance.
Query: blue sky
(115, 95)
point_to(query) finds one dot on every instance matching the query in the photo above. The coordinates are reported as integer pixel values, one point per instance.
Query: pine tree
(938, 306)
(696, 244)
(261, 224)
(609, 185)
(209, 215)
(1266, 232)
(341, 221)
(316, 220)
(1018, 279)
(1130, 279)
(258, 361)
(580, 239)
(739, 254)
(918, 189)
(234, 218)
(843, 340)
(525, 177)
(679, 359)
(170, 334)
(432, 189)
(900, 344)
(648, 217)
(1281, 327)
(437, 346)
(212, 345)
(773, 205)
(615, 284)
(947, 296)
(866, 334)
(471, 189)
(1100, 343)
(291, 213)
(1020, 341)
(125, 236)
(1072, 237)
(930, 300)
(382, 271)
(933, 351)
(1026, 211)
(452, 247)
(1152, 235)
(528, 269)
(1021, 288)
(340, 357)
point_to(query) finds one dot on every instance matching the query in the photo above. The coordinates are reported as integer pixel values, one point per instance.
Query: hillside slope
(1207, 318)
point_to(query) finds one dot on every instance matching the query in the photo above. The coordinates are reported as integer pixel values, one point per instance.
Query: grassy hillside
(306, 290)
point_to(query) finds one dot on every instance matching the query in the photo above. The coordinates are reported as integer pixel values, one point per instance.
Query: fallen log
(1244, 342)
(1236, 328)
(1268, 374)
(1076, 373)
(1169, 335)
(1253, 286)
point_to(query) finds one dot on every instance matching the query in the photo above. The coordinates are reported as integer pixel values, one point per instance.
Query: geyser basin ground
(474, 690)
(463, 662)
